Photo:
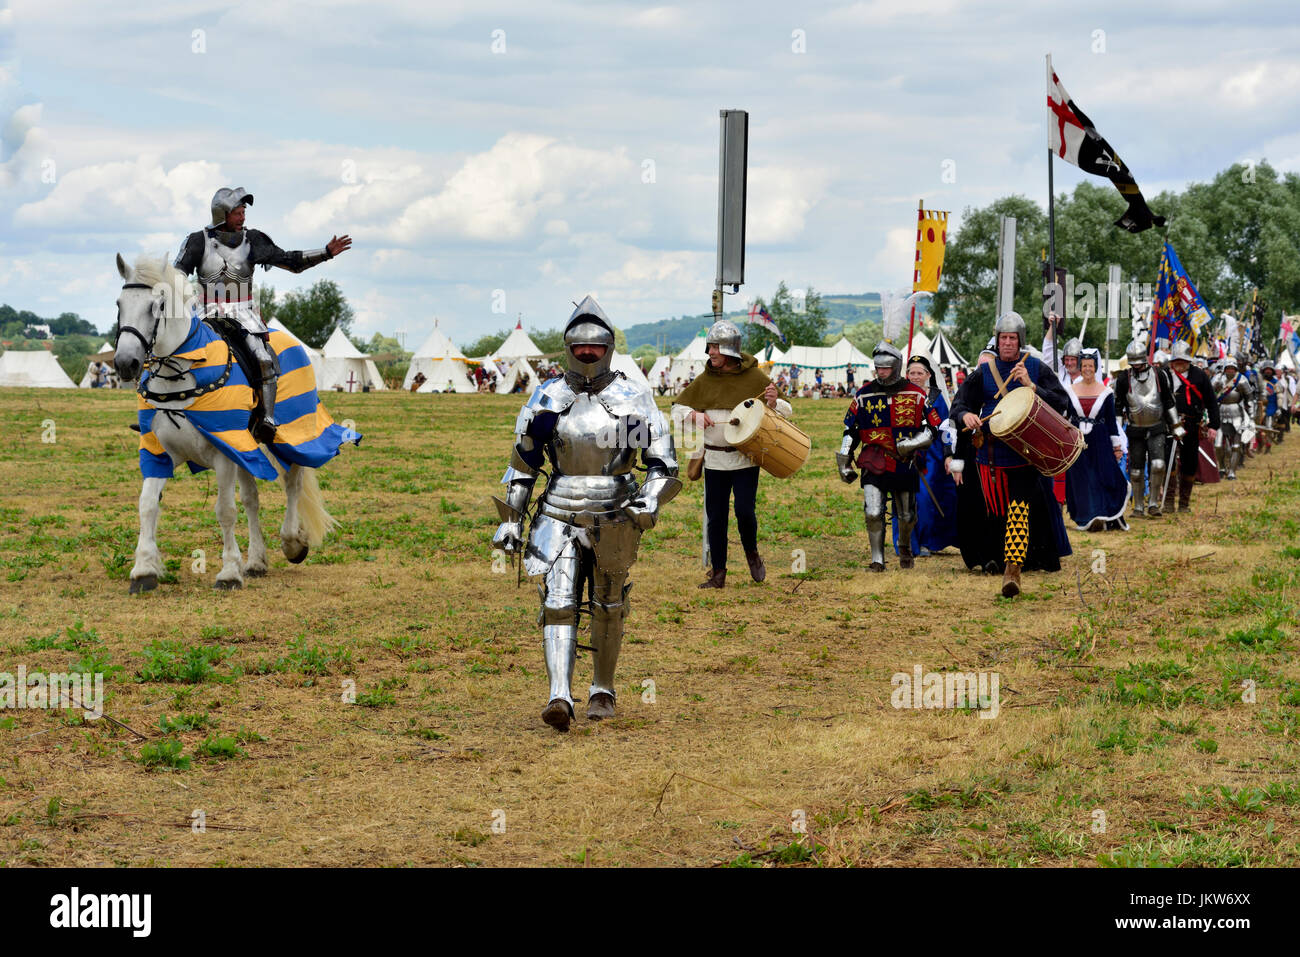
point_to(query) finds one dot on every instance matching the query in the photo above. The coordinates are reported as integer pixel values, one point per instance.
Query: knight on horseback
(223, 255)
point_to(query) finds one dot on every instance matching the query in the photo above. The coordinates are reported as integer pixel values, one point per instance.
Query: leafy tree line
(13, 322)
(1237, 233)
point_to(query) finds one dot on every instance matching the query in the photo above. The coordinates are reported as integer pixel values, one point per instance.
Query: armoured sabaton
(590, 425)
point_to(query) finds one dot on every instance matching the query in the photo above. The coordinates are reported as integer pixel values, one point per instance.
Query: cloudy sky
(515, 155)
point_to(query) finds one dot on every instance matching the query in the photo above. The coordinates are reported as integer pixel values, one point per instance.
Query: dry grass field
(1125, 734)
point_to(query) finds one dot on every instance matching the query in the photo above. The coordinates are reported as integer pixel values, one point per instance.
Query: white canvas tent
(690, 362)
(518, 345)
(661, 365)
(442, 364)
(445, 375)
(25, 370)
(832, 360)
(346, 368)
(317, 360)
(627, 365)
(512, 372)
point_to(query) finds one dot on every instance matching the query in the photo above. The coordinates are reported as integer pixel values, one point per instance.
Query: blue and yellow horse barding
(195, 406)
(222, 413)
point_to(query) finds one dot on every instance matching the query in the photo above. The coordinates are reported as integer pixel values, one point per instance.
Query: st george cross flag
(759, 315)
(1180, 312)
(1072, 137)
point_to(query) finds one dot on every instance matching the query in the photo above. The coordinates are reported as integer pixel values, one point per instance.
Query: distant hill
(843, 310)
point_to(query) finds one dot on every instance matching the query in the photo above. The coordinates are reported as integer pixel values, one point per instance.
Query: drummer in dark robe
(936, 503)
(1096, 488)
(730, 378)
(974, 537)
(1019, 499)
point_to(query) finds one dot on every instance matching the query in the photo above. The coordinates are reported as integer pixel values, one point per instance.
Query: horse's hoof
(227, 585)
(254, 572)
(300, 557)
(145, 583)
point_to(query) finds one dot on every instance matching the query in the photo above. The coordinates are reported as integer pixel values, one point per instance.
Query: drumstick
(975, 428)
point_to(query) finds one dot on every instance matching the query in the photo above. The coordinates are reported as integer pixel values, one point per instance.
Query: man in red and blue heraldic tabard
(893, 420)
(1021, 506)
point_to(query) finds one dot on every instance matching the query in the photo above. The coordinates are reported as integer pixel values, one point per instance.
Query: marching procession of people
(988, 466)
(1028, 434)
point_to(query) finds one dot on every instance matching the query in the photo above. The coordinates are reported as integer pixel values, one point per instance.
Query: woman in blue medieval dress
(936, 526)
(1096, 488)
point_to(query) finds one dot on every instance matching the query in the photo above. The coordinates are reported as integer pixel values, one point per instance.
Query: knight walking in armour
(893, 420)
(223, 255)
(1144, 398)
(589, 425)
(1236, 397)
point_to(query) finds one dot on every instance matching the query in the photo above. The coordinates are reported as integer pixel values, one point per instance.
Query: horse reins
(150, 359)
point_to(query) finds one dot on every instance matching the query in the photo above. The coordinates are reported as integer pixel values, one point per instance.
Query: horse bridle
(150, 360)
(147, 343)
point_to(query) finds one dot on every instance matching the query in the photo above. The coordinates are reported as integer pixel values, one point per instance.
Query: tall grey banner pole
(733, 165)
(1112, 311)
(1006, 265)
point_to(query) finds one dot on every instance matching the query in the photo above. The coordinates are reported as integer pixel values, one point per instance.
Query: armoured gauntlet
(844, 460)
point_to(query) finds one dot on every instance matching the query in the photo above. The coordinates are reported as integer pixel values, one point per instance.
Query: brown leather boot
(905, 557)
(1011, 580)
(757, 570)
(601, 705)
(558, 714)
(1185, 486)
(717, 579)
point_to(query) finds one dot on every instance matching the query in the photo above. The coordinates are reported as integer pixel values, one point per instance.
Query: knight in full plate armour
(1144, 398)
(223, 255)
(893, 420)
(589, 426)
(1236, 397)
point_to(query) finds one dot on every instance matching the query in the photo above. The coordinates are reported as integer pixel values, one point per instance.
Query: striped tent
(943, 353)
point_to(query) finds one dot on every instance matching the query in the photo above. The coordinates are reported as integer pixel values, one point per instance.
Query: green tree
(803, 328)
(485, 345)
(552, 340)
(266, 304)
(970, 270)
(382, 345)
(864, 335)
(314, 314)
(644, 354)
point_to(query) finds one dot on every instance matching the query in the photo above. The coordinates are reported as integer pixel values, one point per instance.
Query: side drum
(768, 438)
(1036, 431)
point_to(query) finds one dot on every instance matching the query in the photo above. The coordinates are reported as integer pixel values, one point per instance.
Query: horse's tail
(316, 522)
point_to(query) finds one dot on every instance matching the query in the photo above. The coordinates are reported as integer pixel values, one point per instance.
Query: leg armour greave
(560, 646)
(607, 638)
(873, 510)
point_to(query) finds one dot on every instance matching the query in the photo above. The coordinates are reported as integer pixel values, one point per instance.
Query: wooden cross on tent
(352, 380)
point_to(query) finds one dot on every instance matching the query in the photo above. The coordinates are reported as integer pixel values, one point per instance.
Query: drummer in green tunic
(730, 378)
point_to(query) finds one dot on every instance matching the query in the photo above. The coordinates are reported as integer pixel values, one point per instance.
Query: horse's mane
(154, 271)
(160, 272)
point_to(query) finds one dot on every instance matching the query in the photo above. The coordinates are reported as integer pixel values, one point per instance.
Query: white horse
(154, 320)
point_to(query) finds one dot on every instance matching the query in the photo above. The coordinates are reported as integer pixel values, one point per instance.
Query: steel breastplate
(587, 441)
(226, 272)
(1144, 401)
